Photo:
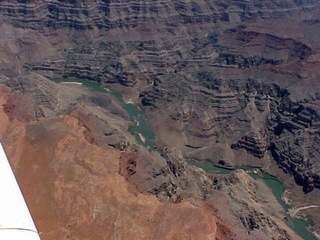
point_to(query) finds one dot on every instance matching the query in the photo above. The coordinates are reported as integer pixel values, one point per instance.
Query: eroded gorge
(231, 83)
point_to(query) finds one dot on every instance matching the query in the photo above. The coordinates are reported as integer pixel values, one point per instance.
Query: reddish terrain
(74, 190)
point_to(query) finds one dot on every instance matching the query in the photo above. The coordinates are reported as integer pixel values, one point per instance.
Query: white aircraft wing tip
(16, 222)
(18, 235)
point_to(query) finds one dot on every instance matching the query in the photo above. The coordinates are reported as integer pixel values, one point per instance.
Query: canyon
(232, 83)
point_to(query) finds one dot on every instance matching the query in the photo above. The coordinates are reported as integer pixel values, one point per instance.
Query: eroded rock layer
(232, 82)
(242, 82)
(83, 14)
(78, 187)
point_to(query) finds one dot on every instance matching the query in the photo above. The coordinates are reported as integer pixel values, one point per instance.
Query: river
(140, 130)
(298, 225)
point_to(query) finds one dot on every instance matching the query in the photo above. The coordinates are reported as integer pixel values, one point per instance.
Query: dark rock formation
(254, 144)
(167, 177)
(101, 14)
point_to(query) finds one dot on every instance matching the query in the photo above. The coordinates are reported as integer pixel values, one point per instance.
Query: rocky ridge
(107, 15)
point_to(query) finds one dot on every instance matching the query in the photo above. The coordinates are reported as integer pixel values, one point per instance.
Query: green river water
(140, 130)
(298, 225)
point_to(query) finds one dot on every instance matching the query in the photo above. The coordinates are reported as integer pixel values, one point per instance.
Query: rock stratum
(230, 82)
(79, 186)
(243, 82)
